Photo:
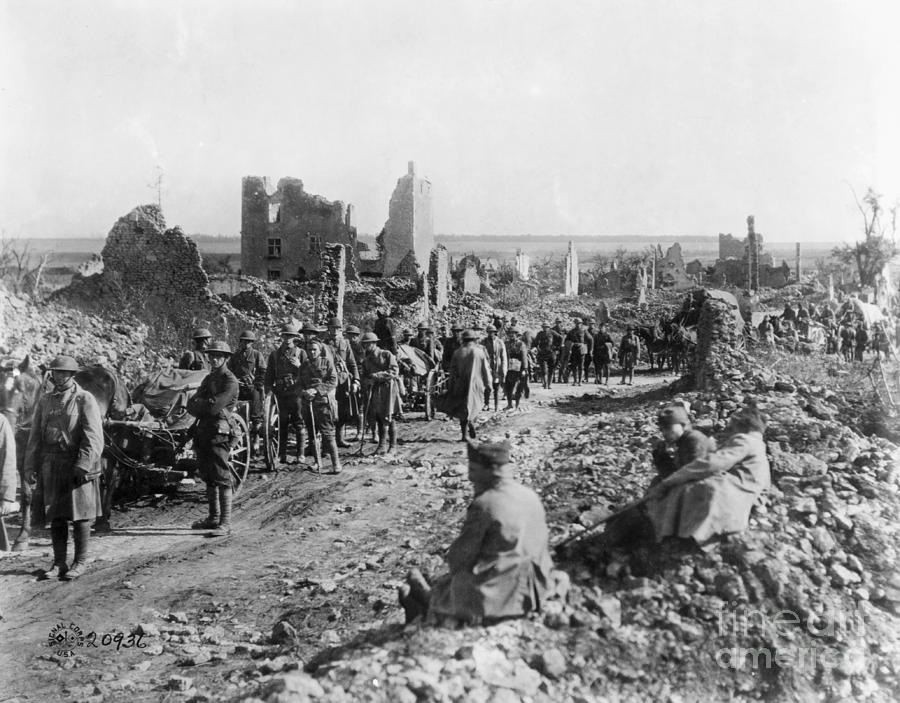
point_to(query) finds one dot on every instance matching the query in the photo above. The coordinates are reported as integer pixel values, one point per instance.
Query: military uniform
(603, 344)
(347, 372)
(282, 374)
(318, 374)
(580, 344)
(546, 341)
(249, 367)
(380, 373)
(63, 454)
(629, 352)
(194, 360)
(497, 359)
(515, 380)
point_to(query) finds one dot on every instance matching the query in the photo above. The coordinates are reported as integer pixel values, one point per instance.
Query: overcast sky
(570, 118)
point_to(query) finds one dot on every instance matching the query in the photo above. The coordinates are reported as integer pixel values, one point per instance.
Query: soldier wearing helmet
(63, 455)
(282, 378)
(212, 405)
(318, 382)
(347, 377)
(381, 388)
(249, 367)
(195, 359)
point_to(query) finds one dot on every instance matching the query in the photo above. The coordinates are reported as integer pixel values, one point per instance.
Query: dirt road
(322, 552)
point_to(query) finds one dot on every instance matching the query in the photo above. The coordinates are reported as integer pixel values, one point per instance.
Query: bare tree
(878, 245)
(21, 269)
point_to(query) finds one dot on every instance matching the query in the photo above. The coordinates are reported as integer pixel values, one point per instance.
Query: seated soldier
(680, 445)
(500, 564)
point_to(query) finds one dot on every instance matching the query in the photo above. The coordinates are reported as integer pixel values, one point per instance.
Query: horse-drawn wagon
(422, 380)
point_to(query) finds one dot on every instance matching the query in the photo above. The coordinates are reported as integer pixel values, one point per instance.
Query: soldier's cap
(557, 321)
(352, 329)
(290, 329)
(576, 321)
(369, 338)
(673, 415)
(334, 322)
(64, 363)
(218, 347)
(545, 324)
(310, 328)
(589, 320)
(490, 328)
(469, 335)
(512, 330)
(201, 333)
(491, 455)
(629, 328)
(248, 335)
(455, 327)
(422, 326)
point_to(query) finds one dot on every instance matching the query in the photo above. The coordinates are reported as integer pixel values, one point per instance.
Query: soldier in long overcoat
(470, 374)
(318, 381)
(212, 405)
(380, 380)
(63, 453)
(195, 359)
(603, 345)
(496, 352)
(282, 374)
(579, 343)
(345, 367)
(450, 344)
(249, 367)
(515, 381)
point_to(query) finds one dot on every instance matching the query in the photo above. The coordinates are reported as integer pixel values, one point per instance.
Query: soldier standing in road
(496, 352)
(451, 344)
(195, 359)
(347, 377)
(603, 345)
(629, 352)
(318, 381)
(63, 454)
(212, 405)
(515, 380)
(559, 349)
(249, 367)
(546, 343)
(470, 374)
(380, 380)
(282, 378)
(579, 342)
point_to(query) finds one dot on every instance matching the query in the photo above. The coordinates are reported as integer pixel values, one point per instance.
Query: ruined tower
(409, 231)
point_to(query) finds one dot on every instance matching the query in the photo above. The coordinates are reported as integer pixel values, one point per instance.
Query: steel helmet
(219, 348)
(64, 363)
(248, 335)
(201, 333)
(334, 322)
(290, 329)
(369, 338)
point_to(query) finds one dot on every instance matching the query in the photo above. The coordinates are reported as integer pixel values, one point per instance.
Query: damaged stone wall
(141, 255)
(471, 281)
(284, 231)
(409, 230)
(671, 270)
(439, 277)
(571, 281)
(717, 337)
(329, 298)
(523, 265)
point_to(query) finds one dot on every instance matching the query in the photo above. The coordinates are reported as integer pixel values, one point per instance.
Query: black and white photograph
(449, 352)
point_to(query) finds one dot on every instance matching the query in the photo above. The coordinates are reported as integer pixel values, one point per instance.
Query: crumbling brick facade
(284, 231)
(439, 277)
(409, 231)
(671, 271)
(731, 247)
(329, 298)
(140, 254)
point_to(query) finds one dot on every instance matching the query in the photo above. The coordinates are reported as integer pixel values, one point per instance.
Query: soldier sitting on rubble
(500, 565)
(680, 445)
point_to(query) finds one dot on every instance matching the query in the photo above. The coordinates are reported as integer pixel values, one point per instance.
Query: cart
(422, 380)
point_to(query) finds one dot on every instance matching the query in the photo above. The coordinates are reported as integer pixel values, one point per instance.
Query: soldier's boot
(226, 497)
(301, 446)
(382, 447)
(331, 448)
(212, 519)
(59, 538)
(339, 438)
(256, 433)
(81, 535)
(24, 535)
(392, 436)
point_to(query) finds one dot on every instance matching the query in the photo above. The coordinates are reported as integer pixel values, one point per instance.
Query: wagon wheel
(271, 431)
(240, 454)
(430, 390)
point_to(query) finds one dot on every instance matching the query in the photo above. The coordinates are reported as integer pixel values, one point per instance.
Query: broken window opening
(275, 248)
(274, 213)
(274, 275)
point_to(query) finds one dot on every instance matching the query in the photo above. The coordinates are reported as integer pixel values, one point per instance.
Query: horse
(682, 342)
(655, 343)
(114, 400)
(19, 388)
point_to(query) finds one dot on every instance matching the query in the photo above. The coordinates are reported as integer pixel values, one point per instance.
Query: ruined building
(408, 235)
(284, 230)
(743, 263)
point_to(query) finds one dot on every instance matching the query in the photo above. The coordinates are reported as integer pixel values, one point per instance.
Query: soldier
(63, 454)
(195, 359)
(426, 342)
(603, 345)
(212, 405)
(578, 342)
(680, 445)
(282, 378)
(352, 334)
(559, 347)
(318, 381)
(515, 381)
(848, 339)
(496, 353)
(380, 379)
(589, 356)
(347, 378)
(9, 476)
(249, 367)
(629, 352)
(546, 343)
(451, 344)
(312, 332)
(862, 340)
(470, 374)
(386, 331)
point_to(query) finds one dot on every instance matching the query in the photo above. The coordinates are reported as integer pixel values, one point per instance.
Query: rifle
(561, 548)
(4, 538)
(314, 435)
(365, 421)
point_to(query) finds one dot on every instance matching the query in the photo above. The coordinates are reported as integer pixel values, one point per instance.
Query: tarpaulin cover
(420, 361)
(167, 389)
